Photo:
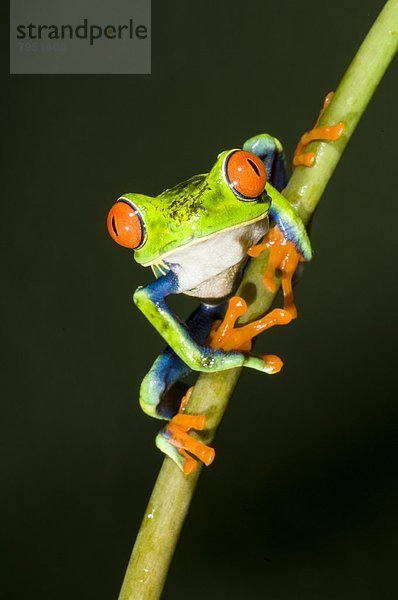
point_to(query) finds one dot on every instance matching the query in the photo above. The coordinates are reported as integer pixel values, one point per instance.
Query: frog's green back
(191, 211)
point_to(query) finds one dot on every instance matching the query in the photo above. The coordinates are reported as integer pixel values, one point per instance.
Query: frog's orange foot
(176, 433)
(227, 337)
(220, 333)
(283, 257)
(324, 133)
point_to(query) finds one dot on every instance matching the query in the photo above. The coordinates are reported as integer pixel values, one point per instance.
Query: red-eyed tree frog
(196, 237)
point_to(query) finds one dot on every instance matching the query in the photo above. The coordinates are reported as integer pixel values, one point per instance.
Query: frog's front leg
(164, 396)
(161, 389)
(151, 300)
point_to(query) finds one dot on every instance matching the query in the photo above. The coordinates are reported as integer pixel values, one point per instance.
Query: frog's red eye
(124, 225)
(246, 173)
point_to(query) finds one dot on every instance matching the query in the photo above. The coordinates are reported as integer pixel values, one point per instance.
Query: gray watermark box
(80, 36)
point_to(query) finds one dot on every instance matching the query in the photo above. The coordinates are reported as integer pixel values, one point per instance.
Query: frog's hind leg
(270, 150)
(161, 389)
(163, 395)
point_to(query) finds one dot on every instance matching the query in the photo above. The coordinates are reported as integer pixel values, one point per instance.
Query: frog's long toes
(236, 308)
(324, 133)
(176, 442)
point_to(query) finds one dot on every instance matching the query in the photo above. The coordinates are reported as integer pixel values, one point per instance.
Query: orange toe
(190, 463)
(188, 422)
(273, 362)
(185, 399)
(324, 133)
(257, 249)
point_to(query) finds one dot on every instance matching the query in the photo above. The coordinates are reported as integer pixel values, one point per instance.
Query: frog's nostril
(124, 225)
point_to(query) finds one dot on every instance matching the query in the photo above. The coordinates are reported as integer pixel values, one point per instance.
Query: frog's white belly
(209, 269)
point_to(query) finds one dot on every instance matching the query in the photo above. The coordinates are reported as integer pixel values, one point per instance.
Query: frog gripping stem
(283, 257)
(175, 441)
(177, 434)
(228, 337)
(251, 183)
(325, 133)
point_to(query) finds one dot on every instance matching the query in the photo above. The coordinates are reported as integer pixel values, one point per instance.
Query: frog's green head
(233, 194)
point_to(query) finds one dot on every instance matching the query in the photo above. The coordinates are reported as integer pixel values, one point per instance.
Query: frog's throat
(194, 242)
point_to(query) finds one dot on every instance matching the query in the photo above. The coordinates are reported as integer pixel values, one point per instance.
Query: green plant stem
(171, 497)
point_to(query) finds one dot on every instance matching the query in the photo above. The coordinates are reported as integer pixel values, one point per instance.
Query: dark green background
(301, 502)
